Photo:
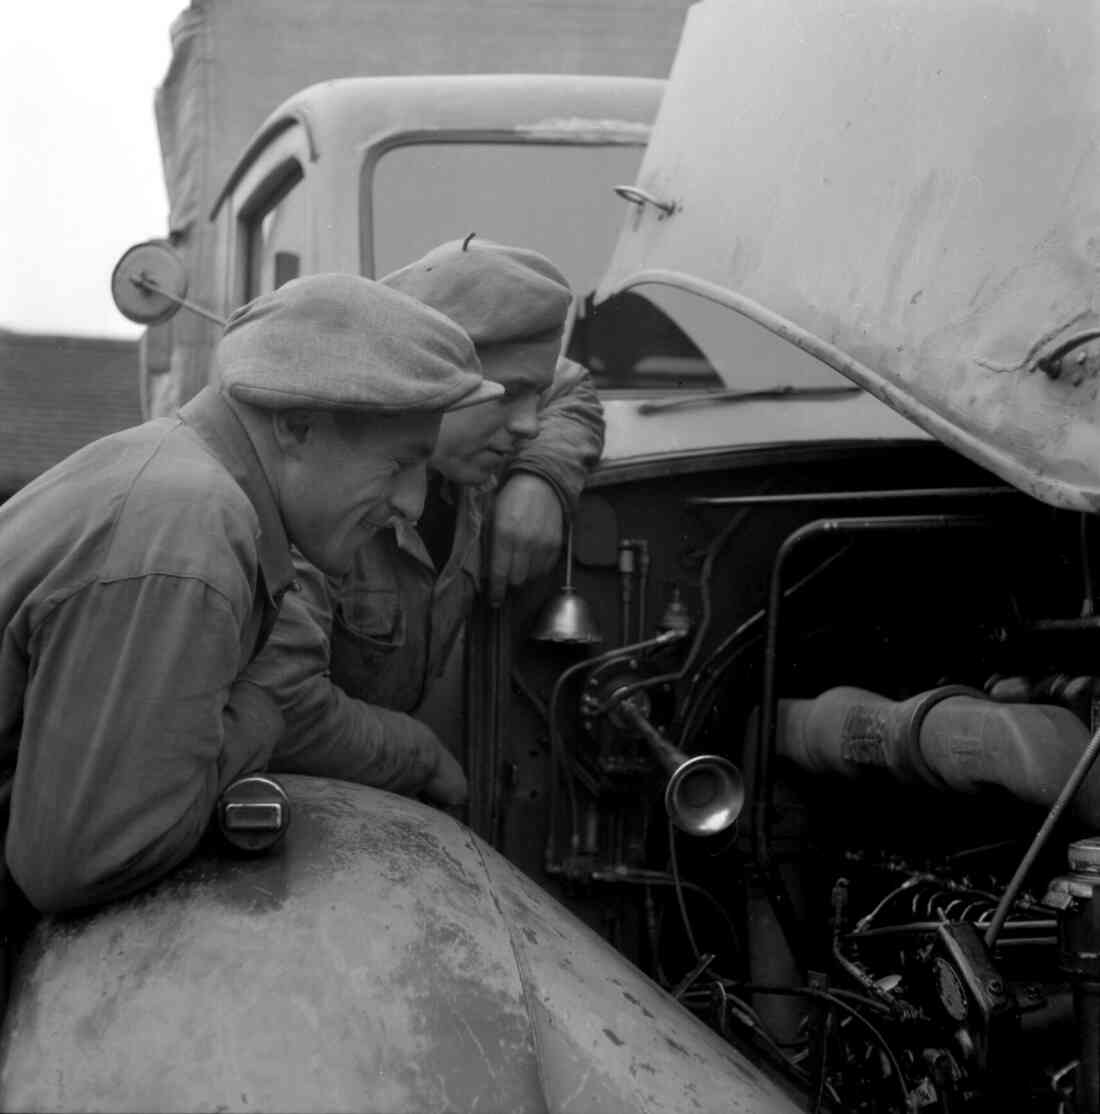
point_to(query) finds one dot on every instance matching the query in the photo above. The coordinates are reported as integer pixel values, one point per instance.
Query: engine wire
(727, 652)
(713, 550)
(641, 877)
(680, 891)
(850, 1011)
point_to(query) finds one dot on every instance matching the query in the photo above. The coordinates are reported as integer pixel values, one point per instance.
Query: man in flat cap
(362, 652)
(140, 577)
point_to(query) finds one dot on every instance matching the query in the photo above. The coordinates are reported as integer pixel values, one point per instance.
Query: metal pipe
(701, 630)
(704, 794)
(851, 496)
(643, 584)
(626, 587)
(559, 759)
(1088, 622)
(1088, 606)
(1073, 783)
(935, 926)
(499, 657)
(765, 741)
(707, 675)
(1086, 1005)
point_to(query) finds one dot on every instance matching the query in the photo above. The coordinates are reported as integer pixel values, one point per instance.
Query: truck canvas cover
(233, 64)
(907, 190)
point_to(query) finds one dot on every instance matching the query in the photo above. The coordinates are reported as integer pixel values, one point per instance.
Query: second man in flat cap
(362, 652)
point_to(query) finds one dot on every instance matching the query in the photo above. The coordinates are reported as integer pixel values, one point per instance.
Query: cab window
(275, 234)
(554, 198)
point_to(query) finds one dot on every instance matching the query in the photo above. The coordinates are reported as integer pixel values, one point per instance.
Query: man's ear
(292, 429)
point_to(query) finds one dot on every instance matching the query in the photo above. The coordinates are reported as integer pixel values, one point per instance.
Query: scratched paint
(381, 959)
(918, 210)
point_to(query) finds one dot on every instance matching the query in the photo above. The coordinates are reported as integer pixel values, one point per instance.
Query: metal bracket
(641, 198)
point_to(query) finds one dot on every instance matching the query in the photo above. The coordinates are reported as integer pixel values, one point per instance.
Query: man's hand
(526, 535)
(447, 786)
(431, 772)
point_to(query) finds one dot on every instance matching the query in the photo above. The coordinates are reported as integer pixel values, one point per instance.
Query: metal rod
(143, 282)
(738, 394)
(1045, 626)
(1088, 605)
(935, 926)
(851, 496)
(568, 553)
(626, 587)
(643, 584)
(1069, 790)
(1086, 1002)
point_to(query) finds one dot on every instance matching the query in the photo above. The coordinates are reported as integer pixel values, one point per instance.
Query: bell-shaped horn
(705, 793)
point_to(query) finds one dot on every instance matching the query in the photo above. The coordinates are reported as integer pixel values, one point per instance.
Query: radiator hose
(953, 739)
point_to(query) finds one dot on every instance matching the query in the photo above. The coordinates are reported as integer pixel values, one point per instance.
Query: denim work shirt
(138, 579)
(356, 655)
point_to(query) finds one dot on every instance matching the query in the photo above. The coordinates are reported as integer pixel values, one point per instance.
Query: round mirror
(149, 282)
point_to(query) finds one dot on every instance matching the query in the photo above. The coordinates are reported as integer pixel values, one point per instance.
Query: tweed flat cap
(511, 301)
(342, 342)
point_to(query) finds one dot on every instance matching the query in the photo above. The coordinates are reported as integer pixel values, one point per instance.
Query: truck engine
(818, 778)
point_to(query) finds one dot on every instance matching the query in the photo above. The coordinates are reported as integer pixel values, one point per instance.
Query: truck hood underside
(908, 192)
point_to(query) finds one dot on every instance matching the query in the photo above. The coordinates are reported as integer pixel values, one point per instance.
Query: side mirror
(149, 285)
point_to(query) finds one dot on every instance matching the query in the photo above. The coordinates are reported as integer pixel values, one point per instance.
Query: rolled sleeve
(327, 732)
(136, 717)
(570, 438)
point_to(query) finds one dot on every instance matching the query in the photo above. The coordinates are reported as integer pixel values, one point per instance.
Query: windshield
(558, 198)
(554, 198)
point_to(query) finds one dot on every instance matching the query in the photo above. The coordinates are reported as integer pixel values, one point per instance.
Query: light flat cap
(343, 342)
(511, 301)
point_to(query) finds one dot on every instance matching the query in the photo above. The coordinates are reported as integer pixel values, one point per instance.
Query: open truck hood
(909, 192)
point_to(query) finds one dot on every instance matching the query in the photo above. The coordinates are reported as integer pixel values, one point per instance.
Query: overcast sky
(80, 176)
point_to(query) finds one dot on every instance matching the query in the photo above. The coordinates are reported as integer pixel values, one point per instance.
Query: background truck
(233, 64)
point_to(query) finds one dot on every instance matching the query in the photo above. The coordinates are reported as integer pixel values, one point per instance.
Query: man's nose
(409, 489)
(523, 420)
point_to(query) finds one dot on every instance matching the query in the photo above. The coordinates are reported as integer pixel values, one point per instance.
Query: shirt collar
(212, 418)
(470, 502)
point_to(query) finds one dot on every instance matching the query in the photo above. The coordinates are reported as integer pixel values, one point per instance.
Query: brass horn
(705, 793)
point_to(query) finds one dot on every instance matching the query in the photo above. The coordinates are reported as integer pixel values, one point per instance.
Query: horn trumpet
(705, 793)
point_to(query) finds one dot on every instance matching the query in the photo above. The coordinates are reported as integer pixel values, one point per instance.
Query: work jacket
(358, 653)
(138, 579)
